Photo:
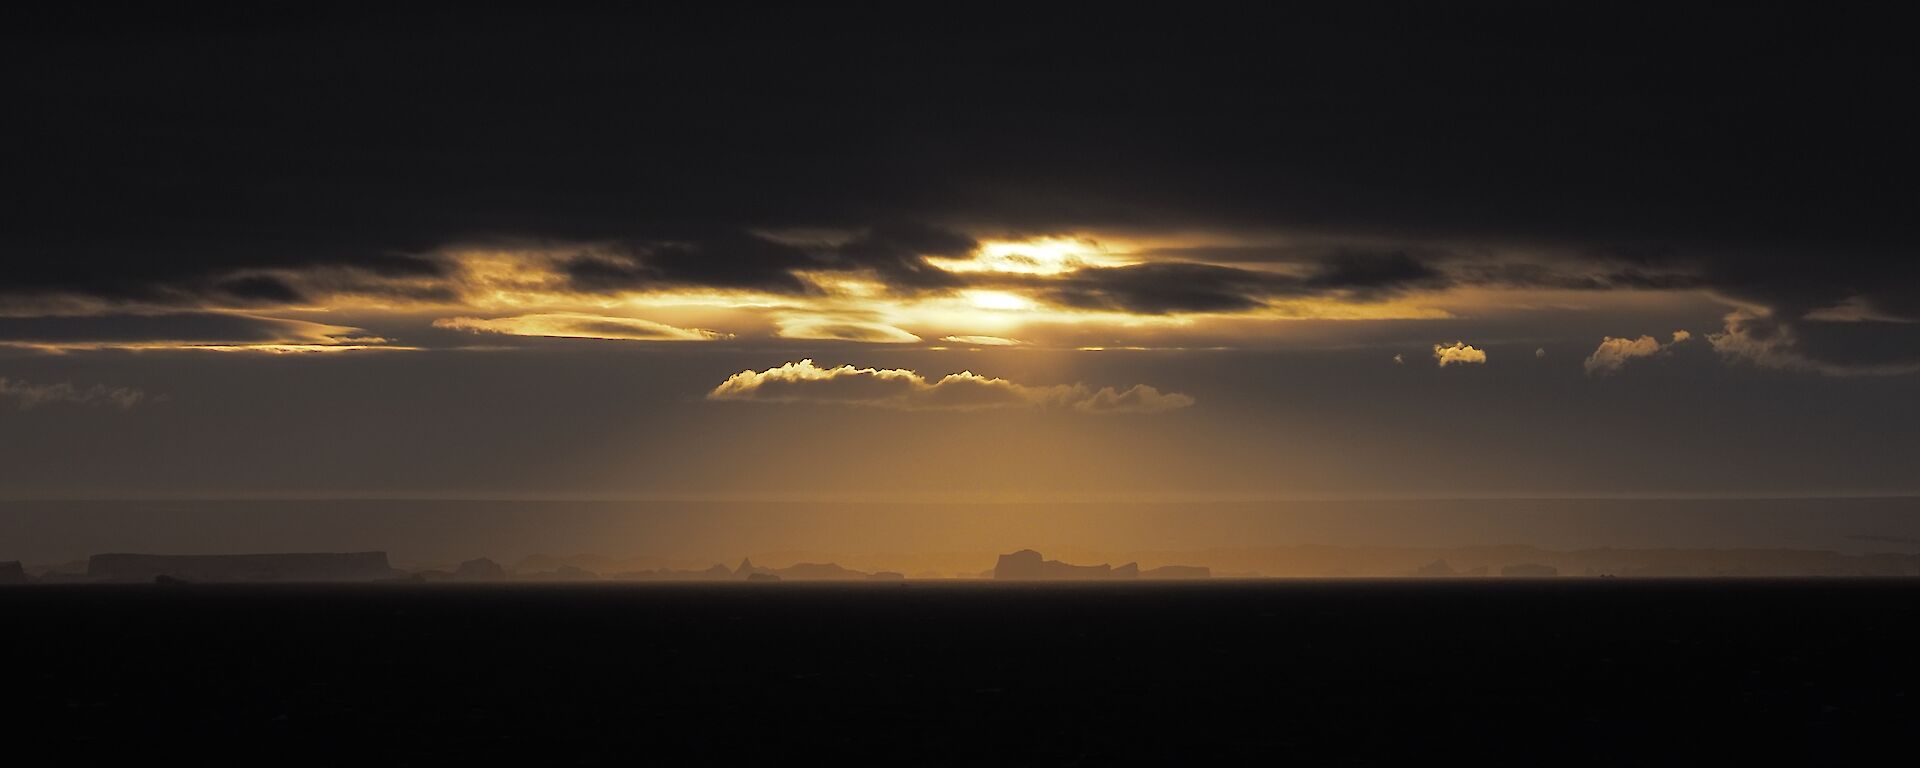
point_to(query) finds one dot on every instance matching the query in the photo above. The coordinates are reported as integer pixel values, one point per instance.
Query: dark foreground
(1582, 672)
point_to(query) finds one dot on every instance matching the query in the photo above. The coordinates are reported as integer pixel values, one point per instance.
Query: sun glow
(1040, 256)
(1006, 293)
(999, 300)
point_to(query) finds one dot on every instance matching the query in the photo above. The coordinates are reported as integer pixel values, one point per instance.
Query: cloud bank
(804, 382)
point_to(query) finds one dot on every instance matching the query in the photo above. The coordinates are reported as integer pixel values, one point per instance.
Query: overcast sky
(1379, 250)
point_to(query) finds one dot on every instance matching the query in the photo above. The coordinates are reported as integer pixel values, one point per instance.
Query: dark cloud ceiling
(1764, 153)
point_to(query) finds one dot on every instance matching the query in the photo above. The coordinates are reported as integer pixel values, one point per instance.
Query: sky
(998, 254)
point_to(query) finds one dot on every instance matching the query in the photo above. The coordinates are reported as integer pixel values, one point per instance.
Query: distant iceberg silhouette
(1028, 565)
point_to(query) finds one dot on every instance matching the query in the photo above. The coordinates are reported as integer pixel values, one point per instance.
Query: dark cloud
(734, 260)
(1163, 288)
(169, 157)
(1171, 287)
(1862, 344)
(1576, 275)
(897, 252)
(260, 288)
(1845, 348)
(1368, 274)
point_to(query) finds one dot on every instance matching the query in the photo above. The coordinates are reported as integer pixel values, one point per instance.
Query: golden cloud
(1613, 353)
(804, 382)
(569, 325)
(1458, 353)
(984, 341)
(839, 328)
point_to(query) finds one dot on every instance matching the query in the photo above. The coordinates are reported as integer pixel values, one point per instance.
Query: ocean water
(1581, 672)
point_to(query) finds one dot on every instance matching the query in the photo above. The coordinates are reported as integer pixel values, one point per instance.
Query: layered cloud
(897, 284)
(579, 326)
(1458, 353)
(917, 284)
(840, 326)
(984, 341)
(213, 331)
(26, 395)
(804, 382)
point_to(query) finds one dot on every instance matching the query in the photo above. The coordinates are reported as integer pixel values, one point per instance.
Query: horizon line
(993, 501)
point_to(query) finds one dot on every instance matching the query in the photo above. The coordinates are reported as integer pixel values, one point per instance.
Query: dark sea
(1552, 672)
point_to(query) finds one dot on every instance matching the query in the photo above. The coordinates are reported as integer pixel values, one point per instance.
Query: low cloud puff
(568, 325)
(1458, 353)
(25, 395)
(1613, 353)
(804, 382)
